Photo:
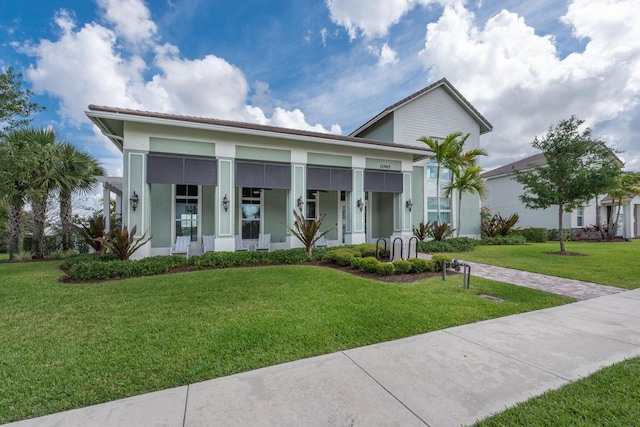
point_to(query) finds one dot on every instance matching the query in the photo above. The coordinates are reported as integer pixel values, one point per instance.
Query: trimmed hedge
(454, 244)
(499, 240)
(402, 267)
(532, 234)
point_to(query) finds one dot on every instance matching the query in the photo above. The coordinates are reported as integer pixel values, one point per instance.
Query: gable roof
(443, 83)
(110, 121)
(526, 163)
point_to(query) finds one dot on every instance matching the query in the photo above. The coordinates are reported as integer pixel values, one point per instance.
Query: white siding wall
(434, 114)
(504, 197)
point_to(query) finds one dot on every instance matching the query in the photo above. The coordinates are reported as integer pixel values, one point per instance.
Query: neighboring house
(200, 177)
(504, 198)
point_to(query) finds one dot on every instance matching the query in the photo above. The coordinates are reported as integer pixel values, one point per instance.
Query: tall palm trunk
(39, 207)
(15, 228)
(65, 218)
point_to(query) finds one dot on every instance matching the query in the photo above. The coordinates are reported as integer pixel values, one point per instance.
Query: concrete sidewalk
(444, 378)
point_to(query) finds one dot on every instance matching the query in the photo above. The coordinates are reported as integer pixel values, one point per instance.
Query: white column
(106, 206)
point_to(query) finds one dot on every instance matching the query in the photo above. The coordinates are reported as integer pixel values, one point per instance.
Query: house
(504, 197)
(196, 176)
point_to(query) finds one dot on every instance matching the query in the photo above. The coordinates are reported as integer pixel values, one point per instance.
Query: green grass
(71, 345)
(614, 264)
(4, 257)
(609, 397)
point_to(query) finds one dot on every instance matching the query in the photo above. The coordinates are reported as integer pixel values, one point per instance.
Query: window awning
(263, 175)
(181, 170)
(383, 182)
(329, 179)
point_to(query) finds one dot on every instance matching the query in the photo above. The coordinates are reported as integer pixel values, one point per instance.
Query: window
(433, 193)
(580, 217)
(251, 215)
(312, 204)
(187, 211)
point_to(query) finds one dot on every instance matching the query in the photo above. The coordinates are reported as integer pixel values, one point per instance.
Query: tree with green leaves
(465, 180)
(78, 171)
(16, 107)
(577, 167)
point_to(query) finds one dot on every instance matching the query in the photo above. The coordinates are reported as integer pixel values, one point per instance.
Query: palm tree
(17, 162)
(465, 180)
(45, 178)
(77, 174)
(449, 153)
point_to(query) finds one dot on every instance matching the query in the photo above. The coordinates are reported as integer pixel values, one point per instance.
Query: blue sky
(331, 65)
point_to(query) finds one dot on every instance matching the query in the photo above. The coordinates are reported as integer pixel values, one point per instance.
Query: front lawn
(71, 345)
(608, 397)
(608, 263)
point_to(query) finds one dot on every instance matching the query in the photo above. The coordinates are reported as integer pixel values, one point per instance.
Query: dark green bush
(456, 244)
(554, 234)
(532, 234)
(369, 264)
(341, 256)
(104, 268)
(419, 265)
(402, 267)
(500, 240)
(384, 269)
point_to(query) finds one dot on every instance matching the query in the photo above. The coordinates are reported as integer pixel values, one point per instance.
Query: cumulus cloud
(97, 69)
(517, 79)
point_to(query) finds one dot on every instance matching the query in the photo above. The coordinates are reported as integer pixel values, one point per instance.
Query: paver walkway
(557, 285)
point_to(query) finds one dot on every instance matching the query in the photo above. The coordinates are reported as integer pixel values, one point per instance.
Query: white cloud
(372, 18)
(97, 70)
(131, 19)
(517, 79)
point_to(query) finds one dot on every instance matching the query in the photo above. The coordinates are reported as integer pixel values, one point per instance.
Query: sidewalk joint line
(186, 402)
(385, 389)
(507, 356)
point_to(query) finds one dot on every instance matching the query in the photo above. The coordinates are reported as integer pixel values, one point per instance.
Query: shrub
(419, 265)
(355, 262)
(498, 226)
(441, 231)
(532, 234)
(341, 256)
(500, 240)
(456, 244)
(423, 230)
(308, 230)
(96, 267)
(439, 259)
(384, 269)
(122, 242)
(553, 234)
(402, 267)
(369, 264)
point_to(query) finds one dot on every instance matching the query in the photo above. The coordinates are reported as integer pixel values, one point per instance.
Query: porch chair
(321, 243)
(181, 246)
(240, 245)
(264, 243)
(208, 244)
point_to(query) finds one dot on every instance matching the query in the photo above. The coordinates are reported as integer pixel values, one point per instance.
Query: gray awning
(181, 170)
(263, 175)
(383, 182)
(329, 179)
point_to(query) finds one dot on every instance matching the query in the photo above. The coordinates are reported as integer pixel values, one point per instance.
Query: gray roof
(485, 126)
(526, 163)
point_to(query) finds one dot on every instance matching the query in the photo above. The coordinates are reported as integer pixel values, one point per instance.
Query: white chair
(181, 246)
(209, 244)
(264, 243)
(240, 245)
(321, 242)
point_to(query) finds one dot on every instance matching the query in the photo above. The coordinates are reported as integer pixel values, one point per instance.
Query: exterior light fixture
(134, 199)
(360, 205)
(225, 203)
(300, 203)
(409, 205)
